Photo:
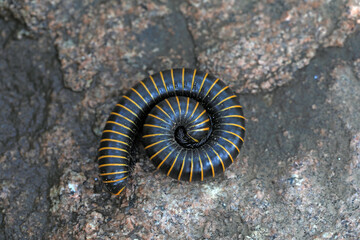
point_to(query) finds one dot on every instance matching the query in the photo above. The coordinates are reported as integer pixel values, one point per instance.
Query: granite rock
(294, 64)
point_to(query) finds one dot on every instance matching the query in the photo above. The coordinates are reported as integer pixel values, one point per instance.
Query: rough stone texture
(295, 65)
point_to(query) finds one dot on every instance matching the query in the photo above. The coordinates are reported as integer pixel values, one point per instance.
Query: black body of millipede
(192, 127)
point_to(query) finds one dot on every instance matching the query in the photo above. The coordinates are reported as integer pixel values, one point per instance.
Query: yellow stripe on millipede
(201, 166)
(165, 159)
(231, 143)
(156, 134)
(212, 167)
(235, 116)
(163, 111)
(126, 97)
(233, 124)
(154, 126)
(160, 151)
(233, 96)
(221, 161)
(113, 140)
(197, 104)
(152, 115)
(119, 133)
(219, 93)
(149, 146)
(200, 129)
(198, 116)
(202, 83)
(111, 156)
(129, 110)
(113, 165)
(191, 166)
(232, 160)
(134, 90)
(187, 106)
(173, 81)
(207, 120)
(194, 139)
(177, 99)
(121, 125)
(112, 173)
(192, 83)
(234, 106)
(232, 134)
(211, 87)
(182, 167)
(120, 191)
(152, 79)
(168, 173)
(112, 148)
(117, 180)
(117, 114)
(147, 90)
(163, 80)
(170, 106)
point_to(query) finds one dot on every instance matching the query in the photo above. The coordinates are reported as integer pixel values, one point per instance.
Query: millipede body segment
(192, 127)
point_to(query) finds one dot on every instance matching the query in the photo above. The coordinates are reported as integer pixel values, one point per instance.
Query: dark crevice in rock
(192, 40)
(175, 6)
(290, 122)
(327, 56)
(26, 86)
(2, 224)
(349, 52)
(29, 79)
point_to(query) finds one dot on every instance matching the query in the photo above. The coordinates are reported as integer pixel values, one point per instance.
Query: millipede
(191, 125)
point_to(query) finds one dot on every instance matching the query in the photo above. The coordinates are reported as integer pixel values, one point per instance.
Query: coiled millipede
(192, 126)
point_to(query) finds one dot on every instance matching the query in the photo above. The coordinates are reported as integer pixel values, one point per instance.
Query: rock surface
(294, 64)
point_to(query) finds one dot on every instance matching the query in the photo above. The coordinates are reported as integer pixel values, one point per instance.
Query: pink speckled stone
(297, 178)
